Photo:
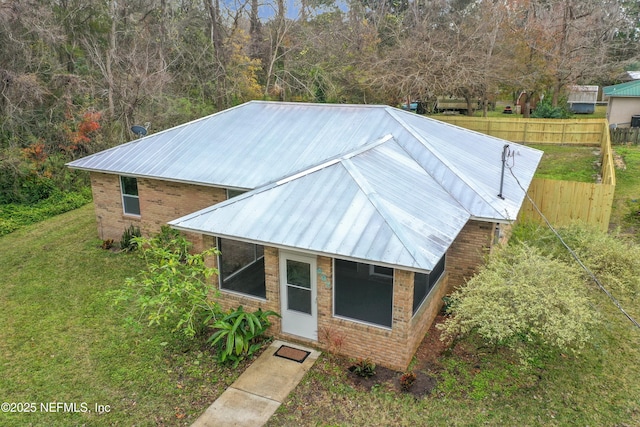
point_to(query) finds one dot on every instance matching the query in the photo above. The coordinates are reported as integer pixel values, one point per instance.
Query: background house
(624, 104)
(352, 221)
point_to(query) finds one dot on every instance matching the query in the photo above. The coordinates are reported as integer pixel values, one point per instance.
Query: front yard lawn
(62, 341)
(63, 346)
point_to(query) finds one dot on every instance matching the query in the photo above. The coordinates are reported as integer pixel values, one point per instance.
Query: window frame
(127, 196)
(256, 259)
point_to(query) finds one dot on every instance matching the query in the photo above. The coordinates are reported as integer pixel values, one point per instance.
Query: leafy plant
(612, 258)
(174, 289)
(406, 380)
(127, 241)
(237, 334)
(364, 368)
(524, 297)
(107, 244)
(545, 110)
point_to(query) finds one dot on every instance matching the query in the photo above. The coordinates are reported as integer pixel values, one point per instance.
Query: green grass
(626, 204)
(476, 386)
(600, 112)
(61, 339)
(567, 162)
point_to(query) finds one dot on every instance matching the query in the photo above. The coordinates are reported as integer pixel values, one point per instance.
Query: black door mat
(291, 353)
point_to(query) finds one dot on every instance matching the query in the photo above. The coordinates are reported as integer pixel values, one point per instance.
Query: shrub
(238, 334)
(406, 380)
(613, 259)
(364, 368)
(174, 288)
(14, 216)
(128, 240)
(545, 110)
(523, 296)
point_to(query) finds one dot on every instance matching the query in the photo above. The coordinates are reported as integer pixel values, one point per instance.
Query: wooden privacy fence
(535, 131)
(561, 202)
(625, 136)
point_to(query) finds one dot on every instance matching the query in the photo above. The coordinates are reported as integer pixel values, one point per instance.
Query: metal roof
(631, 88)
(370, 183)
(377, 206)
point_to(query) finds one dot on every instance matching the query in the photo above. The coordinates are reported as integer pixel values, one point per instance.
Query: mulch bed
(426, 369)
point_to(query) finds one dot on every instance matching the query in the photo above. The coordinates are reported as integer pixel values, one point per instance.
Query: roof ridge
(378, 204)
(292, 177)
(444, 162)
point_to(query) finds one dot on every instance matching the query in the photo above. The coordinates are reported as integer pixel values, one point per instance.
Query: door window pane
(299, 273)
(299, 299)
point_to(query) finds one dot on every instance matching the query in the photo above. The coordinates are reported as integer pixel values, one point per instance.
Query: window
(130, 200)
(363, 293)
(423, 283)
(233, 193)
(242, 267)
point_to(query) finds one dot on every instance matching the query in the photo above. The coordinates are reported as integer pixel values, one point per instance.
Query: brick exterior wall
(468, 251)
(393, 347)
(160, 202)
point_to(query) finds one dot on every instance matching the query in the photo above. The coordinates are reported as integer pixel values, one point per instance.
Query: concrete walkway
(253, 398)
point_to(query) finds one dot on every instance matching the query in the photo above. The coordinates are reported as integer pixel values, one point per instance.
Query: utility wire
(571, 251)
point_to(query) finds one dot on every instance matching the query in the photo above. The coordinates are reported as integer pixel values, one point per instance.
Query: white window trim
(373, 272)
(123, 195)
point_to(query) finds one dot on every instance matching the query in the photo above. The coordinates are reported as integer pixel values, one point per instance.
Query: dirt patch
(426, 368)
(618, 161)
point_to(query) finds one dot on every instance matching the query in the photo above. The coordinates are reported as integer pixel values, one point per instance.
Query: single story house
(624, 104)
(351, 221)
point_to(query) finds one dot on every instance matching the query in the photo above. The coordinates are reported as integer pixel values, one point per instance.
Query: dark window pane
(131, 205)
(361, 295)
(437, 271)
(242, 267)
(233, 193)
(423, 283)
(299, 273)
(299, 299)
(129, 185)
(420, 289)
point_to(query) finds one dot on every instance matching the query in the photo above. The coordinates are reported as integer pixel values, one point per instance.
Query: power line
(571, 251)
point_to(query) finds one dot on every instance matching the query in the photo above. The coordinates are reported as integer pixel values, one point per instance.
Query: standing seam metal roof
(372, 183)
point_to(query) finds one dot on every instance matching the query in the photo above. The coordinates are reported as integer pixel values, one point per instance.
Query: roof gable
(356, 208)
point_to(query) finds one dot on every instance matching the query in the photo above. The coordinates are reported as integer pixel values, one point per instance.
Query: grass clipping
(524, 299)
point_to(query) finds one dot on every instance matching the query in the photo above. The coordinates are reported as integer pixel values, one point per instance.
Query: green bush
(238, 334)
(364, 368)
(128, 242)
(13, 216)
(545, 110)
(522, 296)
(174, 289)
(614, 260)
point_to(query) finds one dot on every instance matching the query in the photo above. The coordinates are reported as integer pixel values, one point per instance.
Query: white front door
(298, 295)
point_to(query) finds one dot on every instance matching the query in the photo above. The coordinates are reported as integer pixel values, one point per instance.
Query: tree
(174, 289)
